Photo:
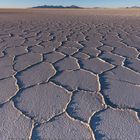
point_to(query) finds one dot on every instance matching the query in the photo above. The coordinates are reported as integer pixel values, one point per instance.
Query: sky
(83, 3)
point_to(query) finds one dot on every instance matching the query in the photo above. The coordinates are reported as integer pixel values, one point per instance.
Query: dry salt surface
(70, 74)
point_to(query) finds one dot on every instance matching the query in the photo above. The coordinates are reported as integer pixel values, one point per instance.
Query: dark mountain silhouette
(57, 6)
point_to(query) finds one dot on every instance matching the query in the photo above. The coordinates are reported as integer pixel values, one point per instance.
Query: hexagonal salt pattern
(70, 74)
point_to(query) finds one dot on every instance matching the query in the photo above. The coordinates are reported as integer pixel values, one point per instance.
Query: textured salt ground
(68, 63)
(36, 74)
(53, 57)
(40, 103)
(13, 123)
(15, 51)
(91, 51)
(6, 69)
(117, 125)
(8, 88)
(96, 65)
(80, 55)
(134, 64)
(84, 103)
(23, 61)
(79, 79)
(106, 48)
(13, 41)
(40, 49)
(126, 51)
(70, 74)
(70, 129)
(67, 50)
(112, 58)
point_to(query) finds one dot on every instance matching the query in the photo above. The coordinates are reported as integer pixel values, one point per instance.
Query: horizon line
(110, 7)
(97, 6)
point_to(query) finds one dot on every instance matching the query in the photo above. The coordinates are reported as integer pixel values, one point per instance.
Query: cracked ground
(70, 75)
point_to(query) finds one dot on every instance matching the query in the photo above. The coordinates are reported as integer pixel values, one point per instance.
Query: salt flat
(70, 74)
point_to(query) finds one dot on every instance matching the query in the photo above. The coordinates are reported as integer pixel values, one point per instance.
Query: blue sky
(84, 3)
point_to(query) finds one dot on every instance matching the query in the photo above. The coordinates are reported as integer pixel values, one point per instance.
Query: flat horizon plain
(70, 74)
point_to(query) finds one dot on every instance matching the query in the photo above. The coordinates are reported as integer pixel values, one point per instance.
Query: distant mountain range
(72, 6)
(134, 7)
(57, 6)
